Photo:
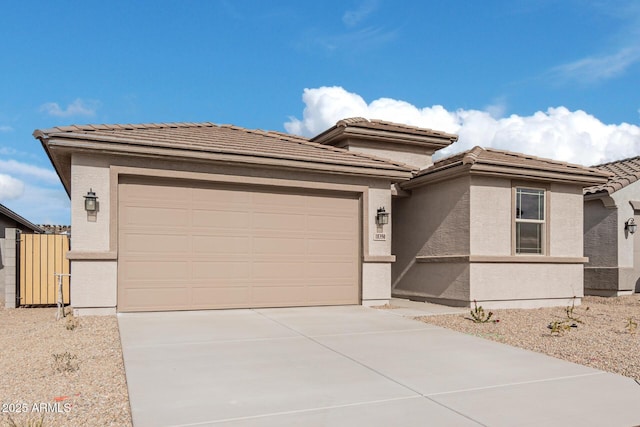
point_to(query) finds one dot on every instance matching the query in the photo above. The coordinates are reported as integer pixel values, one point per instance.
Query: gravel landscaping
(604, 336)
(85, 386)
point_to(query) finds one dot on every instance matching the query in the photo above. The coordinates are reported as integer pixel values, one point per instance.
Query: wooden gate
(40, 257)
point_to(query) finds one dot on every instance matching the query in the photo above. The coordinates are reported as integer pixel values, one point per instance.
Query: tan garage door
(183, 246)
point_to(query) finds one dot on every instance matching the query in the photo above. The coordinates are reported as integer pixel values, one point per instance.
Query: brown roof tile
(516, 164)
(625, 172)
(228, 139)
(389, 126)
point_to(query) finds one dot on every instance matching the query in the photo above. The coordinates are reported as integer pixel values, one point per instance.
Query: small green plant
(65, 362)
(558, 327)
(478, 315)
(570, 312)
(631, 325)
(38, 422)
(72, 323)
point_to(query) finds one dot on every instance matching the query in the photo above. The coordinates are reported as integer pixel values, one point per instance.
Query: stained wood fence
(40, 257)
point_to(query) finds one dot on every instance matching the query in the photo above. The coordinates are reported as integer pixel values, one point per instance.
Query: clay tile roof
(514, 164)
(222, 139)
(625, 172)
(389, 126)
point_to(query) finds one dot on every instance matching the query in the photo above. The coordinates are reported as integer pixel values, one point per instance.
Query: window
(530, 220)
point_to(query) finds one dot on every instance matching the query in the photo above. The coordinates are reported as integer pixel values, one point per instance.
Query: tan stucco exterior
(461, 248)
(94, 253)
(614, 258)
(453, 221)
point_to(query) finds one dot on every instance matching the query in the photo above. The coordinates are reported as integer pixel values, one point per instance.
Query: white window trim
(544, 249)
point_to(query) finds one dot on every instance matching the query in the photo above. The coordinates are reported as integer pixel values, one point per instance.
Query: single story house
(10, 224)
(611, 211)
(185, 216)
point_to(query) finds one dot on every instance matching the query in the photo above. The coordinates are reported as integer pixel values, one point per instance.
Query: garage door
(183, 246)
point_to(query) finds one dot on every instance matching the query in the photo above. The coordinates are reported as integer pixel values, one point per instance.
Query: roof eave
(336, 134)
(65, 147)
(502, 171)
(19, 219)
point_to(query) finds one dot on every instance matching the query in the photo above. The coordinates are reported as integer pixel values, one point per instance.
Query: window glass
(528, 238)
(530, 220)
(529, 204)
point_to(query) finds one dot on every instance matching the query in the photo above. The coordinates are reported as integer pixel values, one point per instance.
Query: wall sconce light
(630, 226)
(91, 201)
(382, 216)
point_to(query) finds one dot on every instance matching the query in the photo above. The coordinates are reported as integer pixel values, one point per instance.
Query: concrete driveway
(351, 366)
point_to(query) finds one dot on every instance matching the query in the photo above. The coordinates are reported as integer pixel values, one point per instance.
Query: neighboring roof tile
(19, 219)
(229, 139)
(511, 163)
(625, 172)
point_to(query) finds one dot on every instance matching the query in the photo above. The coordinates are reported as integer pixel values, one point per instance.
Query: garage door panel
(279, 270)
(155, 243)
(153, 270)
(279, 246)
(145, 299)
(329, 294)
(149, 216)
(208, 270)
(325, 270)
(217, 244)
(227, 219)
(232, 297)
(279, 221)
(332, 247)
(238, 247)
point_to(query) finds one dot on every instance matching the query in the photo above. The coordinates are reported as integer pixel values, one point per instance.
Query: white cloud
(78, 107)
(26, 170)
(556, 133)
(353, 17)
(10, 188)
(596, 68)
(4, 128)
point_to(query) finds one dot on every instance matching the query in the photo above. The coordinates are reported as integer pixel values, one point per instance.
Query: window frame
(544, 244)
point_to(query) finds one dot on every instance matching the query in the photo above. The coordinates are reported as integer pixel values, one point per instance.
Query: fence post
(10, 267)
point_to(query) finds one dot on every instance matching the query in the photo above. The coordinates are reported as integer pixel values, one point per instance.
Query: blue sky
(559, 79)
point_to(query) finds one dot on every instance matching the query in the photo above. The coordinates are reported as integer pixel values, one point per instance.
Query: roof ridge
(541, 159)
(616, 161)
(472, 155)
(128, 126)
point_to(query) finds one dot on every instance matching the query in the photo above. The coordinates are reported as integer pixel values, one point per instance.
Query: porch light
(382, 217)
(90, 201)
(630, 226)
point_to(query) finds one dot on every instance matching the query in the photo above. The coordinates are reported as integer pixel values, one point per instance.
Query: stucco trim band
(379, 258)
(93, 256)
(502, 259)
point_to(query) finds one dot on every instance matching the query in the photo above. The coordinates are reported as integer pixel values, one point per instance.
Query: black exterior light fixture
(382, 216)
(91, 201)
(630, 226)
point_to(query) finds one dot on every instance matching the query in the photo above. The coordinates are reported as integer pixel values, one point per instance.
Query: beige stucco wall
(94, 278)
(491, 216)
(565, 221)
(614, 268)
(454, 245)
(601, 273)
(415, 156)
(433, 221)
(522, 285)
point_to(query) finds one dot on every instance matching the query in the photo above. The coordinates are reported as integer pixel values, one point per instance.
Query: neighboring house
(10, 223)
(613, 251)
(200, 216)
